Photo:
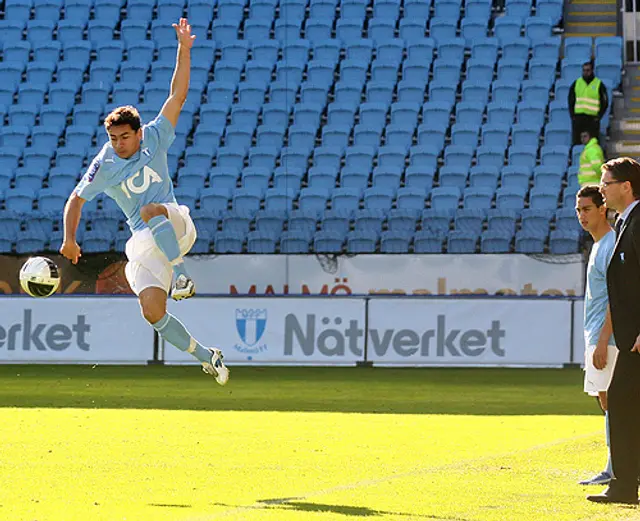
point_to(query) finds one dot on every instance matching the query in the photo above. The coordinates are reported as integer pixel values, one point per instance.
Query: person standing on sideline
(600, 350)
(588, 102)
(591, 159)
(620, 186)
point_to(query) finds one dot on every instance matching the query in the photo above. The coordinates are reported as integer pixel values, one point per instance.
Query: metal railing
(630, 11)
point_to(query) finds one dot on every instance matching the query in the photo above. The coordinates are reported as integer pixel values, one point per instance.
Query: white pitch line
(258, 505)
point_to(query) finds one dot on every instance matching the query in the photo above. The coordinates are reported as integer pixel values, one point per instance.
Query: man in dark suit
(620, 186)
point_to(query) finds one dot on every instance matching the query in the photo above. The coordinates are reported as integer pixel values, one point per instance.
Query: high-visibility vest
(587, 97)
(591, 159)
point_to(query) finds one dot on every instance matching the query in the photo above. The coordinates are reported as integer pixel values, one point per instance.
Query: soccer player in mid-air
(132, 169)
(600, 349)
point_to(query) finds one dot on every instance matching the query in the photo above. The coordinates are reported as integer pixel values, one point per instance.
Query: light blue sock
(609, 467)
(166, 240)
(174, 332)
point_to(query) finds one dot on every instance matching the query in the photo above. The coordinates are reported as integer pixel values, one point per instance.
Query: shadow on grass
(466, 391)
(169, 505)
(295, 504)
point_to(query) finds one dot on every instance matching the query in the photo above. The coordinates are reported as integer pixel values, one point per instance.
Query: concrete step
(592, 29)
(586, 33)
(592, 2)
(589, 9)
(625, 148)
(587, 16)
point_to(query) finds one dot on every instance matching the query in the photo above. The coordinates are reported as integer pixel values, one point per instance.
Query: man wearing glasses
(620, 187)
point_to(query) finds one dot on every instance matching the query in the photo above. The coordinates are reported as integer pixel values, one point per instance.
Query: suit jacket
(623, 282)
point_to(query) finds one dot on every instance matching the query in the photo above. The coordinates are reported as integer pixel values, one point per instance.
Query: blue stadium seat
(408, 91)
(318, 30)
(403, 220)
(509, 198)
(322, 9)
(335, 135)
(478, 197)
(526, 243)
(470, 220)
(19, 199)
(445, 198)
(361, 242)
(564, 242)
(472, 30)
(378, 198)
(412, 196)
(428, 241)
(495, 241)
(228, 242)
(485, 49)
(327, 156)
(416, 9)
(484, 176)
(294, 241)
(502, 220)
(395, 242)
(507, 29)
(256, 30)
(327, 49)
(462, 242)
(11, 30)
(345, 92)
(424, 156)
(327, 241)
(452, 176)
(200, 10)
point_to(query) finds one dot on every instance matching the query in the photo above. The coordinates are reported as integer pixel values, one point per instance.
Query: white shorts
(598, 380)
(148, 266)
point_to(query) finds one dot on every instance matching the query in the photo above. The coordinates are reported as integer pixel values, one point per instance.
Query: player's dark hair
(593, 192)
(625, 169)
(126, 115)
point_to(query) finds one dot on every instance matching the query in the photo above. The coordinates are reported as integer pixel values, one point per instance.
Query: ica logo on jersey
(135, 185)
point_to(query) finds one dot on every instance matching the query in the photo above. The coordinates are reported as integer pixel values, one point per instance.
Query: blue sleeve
(93, 182)
(604, 256)
(159, 133)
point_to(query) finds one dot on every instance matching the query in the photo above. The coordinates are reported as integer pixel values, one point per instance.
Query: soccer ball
(39, 277)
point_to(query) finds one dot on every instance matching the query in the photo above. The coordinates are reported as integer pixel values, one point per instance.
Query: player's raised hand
(183, 32)
(636, 346)
(71, 251)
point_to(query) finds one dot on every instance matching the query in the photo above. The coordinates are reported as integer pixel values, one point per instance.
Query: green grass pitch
(298, 444)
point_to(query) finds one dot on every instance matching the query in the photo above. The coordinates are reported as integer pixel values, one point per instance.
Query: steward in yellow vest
(591, 159)
(588, 102)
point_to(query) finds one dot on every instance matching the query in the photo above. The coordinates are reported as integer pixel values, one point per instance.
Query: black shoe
(608, 497)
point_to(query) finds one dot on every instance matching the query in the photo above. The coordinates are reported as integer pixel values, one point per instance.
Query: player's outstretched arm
(181, 74)
(72, 213)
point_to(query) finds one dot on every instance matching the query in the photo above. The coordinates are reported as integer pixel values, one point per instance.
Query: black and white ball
(39, 277)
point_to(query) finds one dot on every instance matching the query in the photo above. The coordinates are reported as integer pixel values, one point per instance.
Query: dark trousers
(582, 122)
(624, 423)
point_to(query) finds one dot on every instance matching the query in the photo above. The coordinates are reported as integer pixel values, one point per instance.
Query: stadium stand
(310, 126)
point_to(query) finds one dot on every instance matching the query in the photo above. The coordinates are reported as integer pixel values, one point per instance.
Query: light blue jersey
(596, 298)
(143, 178)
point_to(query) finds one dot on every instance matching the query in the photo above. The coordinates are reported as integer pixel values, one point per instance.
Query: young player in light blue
(600, 349)
(132, 169)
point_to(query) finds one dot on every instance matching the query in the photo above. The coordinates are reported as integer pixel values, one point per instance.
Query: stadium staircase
(625, 136)
(590, 18)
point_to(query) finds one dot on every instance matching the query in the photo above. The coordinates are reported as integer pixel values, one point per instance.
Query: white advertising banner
(385, 274)
(578, 332)
(74, 330)
(469, 332)
(283, 331)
